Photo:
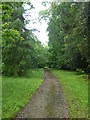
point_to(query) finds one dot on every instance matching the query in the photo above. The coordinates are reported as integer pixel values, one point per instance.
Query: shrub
(79, 71)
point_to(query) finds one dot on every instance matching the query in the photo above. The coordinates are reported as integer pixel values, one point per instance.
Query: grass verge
(0, 97)
(17, 91)
(75, 88)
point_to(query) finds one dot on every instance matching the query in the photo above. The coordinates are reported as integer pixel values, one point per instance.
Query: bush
(79, 71)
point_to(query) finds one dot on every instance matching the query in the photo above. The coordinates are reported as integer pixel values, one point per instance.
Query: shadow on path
(47, 102)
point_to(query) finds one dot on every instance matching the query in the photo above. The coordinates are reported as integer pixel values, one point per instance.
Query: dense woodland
(21, 49)
(68, 39)
(68, 35)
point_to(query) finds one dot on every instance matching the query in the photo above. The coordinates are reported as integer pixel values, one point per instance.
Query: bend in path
(47, 102)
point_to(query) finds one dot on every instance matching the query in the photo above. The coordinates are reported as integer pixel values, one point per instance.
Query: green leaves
(11, 37)
(20, 47)
(67, 31)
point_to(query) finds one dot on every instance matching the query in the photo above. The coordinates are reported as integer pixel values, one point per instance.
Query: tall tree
(67, 31)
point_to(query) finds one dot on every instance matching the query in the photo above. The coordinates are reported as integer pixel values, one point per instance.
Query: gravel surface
(47, 102)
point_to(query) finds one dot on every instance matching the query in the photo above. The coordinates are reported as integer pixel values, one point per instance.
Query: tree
(21, 49)
(67, 31)
(88, 40)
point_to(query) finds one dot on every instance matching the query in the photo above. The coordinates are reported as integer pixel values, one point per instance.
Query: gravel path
(47, 102)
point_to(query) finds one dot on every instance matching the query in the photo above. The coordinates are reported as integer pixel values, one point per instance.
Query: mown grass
(75, 88)
(0, 97)
(16, 92)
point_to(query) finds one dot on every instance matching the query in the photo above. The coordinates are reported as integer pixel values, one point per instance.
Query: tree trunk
(20, 72)
(89, 39)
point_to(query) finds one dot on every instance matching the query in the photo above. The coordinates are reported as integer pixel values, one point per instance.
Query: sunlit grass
(17, 91)
(75, 88)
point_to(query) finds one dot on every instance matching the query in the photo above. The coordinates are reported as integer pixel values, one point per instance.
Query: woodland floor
(47, 102)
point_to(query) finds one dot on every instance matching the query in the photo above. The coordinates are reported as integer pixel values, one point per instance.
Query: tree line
(68, 35)
(68, 46)
(21, 49)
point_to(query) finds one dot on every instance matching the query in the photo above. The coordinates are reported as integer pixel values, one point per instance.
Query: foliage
(75, 88)
(21, 50)
(67, 31)
(79, 71)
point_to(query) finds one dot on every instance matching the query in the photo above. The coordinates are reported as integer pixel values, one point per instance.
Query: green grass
(0, 97)
(75, 88)
(17, 91)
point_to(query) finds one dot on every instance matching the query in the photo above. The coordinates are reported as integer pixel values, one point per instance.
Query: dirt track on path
(47, 102)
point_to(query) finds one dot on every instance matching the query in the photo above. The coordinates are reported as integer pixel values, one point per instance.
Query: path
(47, 102)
